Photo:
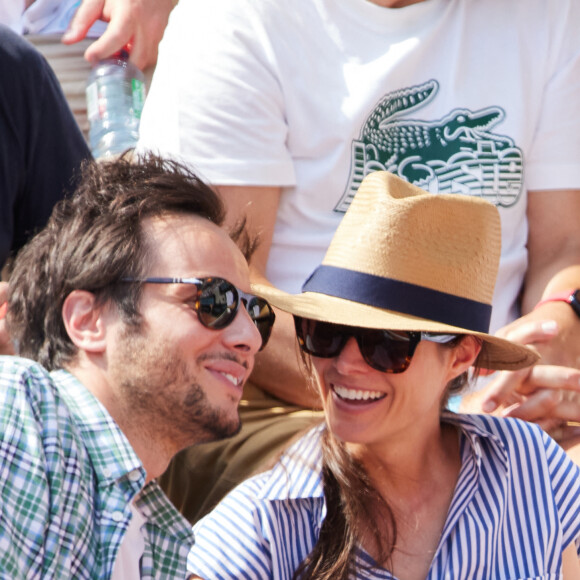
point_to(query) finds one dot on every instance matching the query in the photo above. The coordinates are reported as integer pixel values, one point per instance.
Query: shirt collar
(111, 454)
(298, 474)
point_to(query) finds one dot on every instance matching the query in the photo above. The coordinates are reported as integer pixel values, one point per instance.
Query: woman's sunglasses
(388, 351)
(217, 303)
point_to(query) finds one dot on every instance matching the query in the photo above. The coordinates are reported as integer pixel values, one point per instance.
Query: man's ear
(83, 321)
(465, 353)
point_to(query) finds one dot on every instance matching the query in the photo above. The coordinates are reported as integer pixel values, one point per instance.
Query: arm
(277, 369)
(554, 265)
(570, 563)
(139, 23)
(549, 395)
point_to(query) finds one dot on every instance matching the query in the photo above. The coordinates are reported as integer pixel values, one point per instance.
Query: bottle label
(138, 90)
(93, 102)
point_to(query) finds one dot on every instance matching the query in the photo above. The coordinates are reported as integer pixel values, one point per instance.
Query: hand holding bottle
(137, 23)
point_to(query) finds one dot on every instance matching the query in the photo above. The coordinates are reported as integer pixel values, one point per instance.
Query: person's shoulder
(17, 54)
(31, 394)
(512, 434)
(15, 370)
(494, 425)
(257, 12)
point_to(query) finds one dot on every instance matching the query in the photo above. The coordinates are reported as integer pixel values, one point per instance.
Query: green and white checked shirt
(67, 478)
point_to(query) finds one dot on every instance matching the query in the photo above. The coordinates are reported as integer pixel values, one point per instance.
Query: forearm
(564, 349)
(563, 275)
(279, 369)
(553, 266)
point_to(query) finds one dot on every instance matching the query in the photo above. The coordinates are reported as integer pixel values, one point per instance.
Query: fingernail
(550, 326)
(488, 406)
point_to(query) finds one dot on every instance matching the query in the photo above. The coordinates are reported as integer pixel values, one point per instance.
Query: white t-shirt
(11, 12)
(43, 17)
(466, 96)
(127, 562)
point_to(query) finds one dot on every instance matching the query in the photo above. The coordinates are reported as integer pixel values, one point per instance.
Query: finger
(548, 405)
(86, 15)
(115, 37)
(503, 390)
(552, 377)
(530, 332)
(143, 51)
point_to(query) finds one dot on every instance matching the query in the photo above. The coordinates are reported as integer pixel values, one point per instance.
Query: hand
(138, 24)
(552, 329)
(5, 342)
(546, 394)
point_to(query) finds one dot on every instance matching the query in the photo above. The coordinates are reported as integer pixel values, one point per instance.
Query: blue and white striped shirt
(516, 507)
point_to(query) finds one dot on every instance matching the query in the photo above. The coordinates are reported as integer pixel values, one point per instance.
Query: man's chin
(218, 432)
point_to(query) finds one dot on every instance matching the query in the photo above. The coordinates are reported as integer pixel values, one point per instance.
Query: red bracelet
(572, 297)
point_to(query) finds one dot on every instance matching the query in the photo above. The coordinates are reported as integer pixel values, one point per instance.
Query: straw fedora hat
(405, 259)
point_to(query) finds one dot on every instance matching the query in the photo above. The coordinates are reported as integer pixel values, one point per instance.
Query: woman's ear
(83, 321)
(465, 354)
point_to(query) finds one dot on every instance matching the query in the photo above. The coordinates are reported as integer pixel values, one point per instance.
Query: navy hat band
(401, 297)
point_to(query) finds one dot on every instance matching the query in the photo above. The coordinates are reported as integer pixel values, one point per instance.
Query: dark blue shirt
(41, 145)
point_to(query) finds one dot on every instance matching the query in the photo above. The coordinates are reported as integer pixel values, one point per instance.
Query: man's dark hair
(93, 240)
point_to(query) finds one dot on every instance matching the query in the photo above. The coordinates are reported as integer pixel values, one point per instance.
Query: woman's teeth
(356, 394)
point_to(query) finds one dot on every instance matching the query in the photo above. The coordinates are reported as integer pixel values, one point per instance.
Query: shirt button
(106, 472)
(134, 475)
(117, 516)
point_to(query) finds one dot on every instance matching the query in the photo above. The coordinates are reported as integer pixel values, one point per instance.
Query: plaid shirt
(67, 477)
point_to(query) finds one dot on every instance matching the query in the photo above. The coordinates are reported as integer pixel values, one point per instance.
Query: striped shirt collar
(305, 456)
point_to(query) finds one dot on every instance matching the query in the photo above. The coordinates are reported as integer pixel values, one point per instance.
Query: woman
(393, 486)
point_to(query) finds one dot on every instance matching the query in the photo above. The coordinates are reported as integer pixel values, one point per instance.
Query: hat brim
(496, 354)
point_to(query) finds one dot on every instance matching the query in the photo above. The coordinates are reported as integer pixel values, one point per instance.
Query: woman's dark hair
(93, 240)
(354, 507)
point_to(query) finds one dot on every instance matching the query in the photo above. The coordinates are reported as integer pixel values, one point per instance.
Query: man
(134, 302)
(286, 116)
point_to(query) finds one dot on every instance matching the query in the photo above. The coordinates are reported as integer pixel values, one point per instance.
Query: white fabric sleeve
(215, 100)
(554, 161)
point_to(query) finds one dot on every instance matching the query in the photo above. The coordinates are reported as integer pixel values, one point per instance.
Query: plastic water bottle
(115, 98)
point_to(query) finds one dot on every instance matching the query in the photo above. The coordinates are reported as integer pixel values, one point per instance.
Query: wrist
(571, 297)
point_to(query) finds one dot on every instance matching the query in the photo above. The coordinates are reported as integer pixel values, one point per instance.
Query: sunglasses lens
(386, 351)
(321, 339)
(263, 316)
(217, 303)
(383, 350)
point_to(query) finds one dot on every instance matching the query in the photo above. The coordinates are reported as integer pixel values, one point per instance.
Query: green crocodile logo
(455, 154)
